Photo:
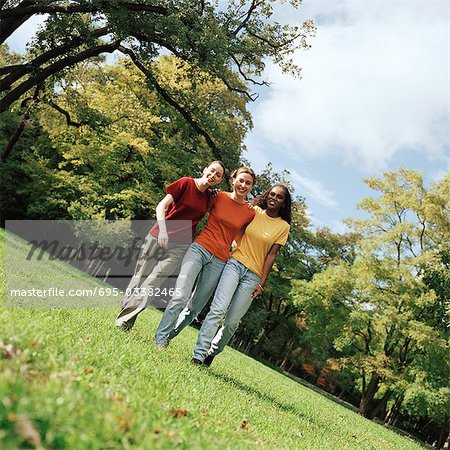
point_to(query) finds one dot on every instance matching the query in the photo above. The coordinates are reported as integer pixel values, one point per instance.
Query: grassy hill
(69, 379)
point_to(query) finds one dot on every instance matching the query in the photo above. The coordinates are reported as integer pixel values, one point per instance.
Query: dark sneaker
(196, 362)
(208, 360)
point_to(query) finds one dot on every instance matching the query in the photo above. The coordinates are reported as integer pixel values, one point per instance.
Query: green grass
(85, 385)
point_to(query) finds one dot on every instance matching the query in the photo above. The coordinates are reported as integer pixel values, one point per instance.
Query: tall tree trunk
(288, 351)
(15, 137)
(366, 405)
(265, 333)
(21, 125)
(444, 435)
(393, 413)
(379, 409)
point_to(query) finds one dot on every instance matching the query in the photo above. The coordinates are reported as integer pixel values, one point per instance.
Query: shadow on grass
(258, 394)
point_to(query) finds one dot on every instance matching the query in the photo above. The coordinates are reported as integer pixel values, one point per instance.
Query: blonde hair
(243, 169)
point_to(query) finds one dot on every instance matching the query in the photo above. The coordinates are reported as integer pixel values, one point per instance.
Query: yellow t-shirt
(261, 233)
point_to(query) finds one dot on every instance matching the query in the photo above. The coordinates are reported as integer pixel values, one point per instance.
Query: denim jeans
(231, 301)
(150, 273)
(198, 264)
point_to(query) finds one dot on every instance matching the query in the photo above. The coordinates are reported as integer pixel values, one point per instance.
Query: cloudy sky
(374, 96)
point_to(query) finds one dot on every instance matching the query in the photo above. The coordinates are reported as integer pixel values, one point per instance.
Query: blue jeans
(198, 264)
(231, 301)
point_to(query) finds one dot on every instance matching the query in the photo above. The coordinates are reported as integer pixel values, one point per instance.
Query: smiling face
(243, 184)
(276, 198)
(213, 174)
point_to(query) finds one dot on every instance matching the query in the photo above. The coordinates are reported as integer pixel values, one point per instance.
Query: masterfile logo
(67, 263)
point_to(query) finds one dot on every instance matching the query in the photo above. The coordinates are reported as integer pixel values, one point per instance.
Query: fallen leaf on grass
(11, 417)
(9, 351)
(123, 423)
(177, 413)
(88, 370)
(244, 424)
(25, 429)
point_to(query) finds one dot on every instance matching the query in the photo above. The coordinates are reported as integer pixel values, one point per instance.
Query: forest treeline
(364, 315)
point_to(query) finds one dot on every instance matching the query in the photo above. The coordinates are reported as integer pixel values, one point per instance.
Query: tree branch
(274, 45)
(251, 97)
(41, 76)
(23, 69)
(72, 123)
(158, 40)
(13, 18)
(162, 43)
(246, 78)
(20, 127)
(252, 7)
(12, 68)
(9, 25)
(410, 245)
(172, 102)
(36, 8)
(66, 114)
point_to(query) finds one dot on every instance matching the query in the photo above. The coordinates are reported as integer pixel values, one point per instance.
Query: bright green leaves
(385, 313)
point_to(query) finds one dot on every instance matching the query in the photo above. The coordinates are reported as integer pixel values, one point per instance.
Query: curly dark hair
(285, 211)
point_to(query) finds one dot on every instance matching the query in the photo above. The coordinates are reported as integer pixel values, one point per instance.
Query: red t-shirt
(189, 206)
(226, 219)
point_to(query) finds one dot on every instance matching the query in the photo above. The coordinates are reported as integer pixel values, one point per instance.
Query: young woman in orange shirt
(207, 256)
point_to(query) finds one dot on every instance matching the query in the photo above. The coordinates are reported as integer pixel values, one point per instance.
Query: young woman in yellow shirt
(245, 273)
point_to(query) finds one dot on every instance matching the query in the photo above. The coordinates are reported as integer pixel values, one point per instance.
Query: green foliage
(228, 41)
(385, 312)
(124, 144)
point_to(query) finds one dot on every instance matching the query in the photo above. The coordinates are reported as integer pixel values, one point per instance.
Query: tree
(377, 311)
(123, 144)
(223, 41)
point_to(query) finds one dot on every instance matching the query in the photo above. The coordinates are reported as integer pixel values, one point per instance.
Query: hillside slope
(77, 382)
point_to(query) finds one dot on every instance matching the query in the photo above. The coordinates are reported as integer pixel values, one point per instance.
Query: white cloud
(444, 170)
(336, 226)
(312, 189)
(375, 83)
(305, 186)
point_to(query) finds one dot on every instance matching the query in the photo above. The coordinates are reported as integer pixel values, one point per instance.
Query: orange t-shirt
(226, 219)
